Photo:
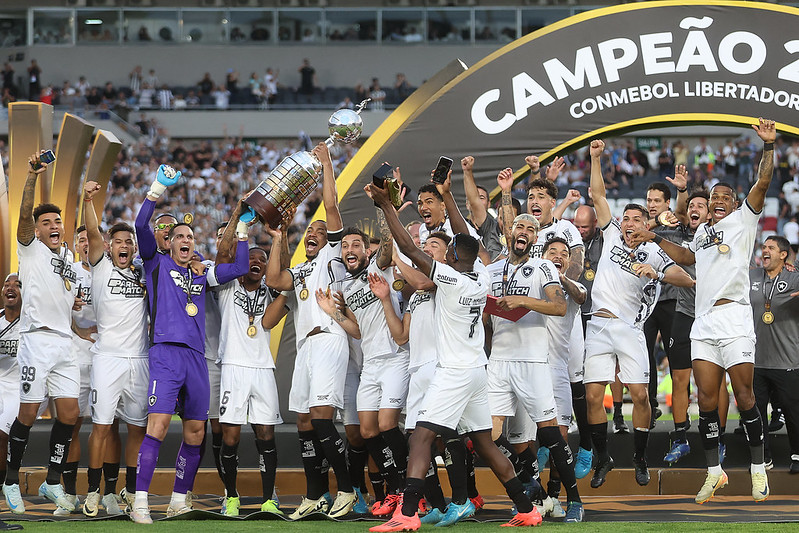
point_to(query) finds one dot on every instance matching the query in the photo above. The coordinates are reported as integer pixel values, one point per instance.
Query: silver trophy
(299, 174)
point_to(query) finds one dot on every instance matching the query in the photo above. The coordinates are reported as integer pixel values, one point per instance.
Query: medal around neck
(304, 294)
(768, 317)
(191, 309)
(398, 284)
(724, 249)
(298, 175)
(589, 275)
(252, 331)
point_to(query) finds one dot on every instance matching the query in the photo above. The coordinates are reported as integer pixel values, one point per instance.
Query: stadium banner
(600, 73)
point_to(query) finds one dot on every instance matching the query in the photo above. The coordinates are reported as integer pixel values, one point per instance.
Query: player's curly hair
(43, 209)
(542, 183)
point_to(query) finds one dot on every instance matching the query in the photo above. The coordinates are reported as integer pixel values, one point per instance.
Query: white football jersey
(525, 339)
(422, 308)
(376, 338)
(446, 227)
(724, 275)
(213, 321)
(9, 343)
(460, 299)
(120, 301)
(560, 329)
(317, 274)
(557, 228)
(236, 347)
(46, 300)
(86, 317)
(617, 287)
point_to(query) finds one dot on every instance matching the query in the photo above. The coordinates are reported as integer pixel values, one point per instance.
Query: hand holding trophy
(298, 175)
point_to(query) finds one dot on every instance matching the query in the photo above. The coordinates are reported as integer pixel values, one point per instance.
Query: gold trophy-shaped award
(298, 175)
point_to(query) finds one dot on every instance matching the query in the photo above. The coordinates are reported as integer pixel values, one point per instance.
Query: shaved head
(585, 221)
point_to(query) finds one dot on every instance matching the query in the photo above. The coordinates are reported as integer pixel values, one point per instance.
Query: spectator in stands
(308, 81)
(259, 34)
(146, 96)
(206, 85)
(8, 97)
(345, 104)
(34, 80)
(135, 80)
(377, 94)
(83, 86)
(152, 79)
(236, 35)
(308, 36)
(94, 97)
(791, 232)
(144, 34)
(121, 107)
(143, 124)
(256, 89)
(746, 155)
(192, 100)
(402, 89)
(165, 97)
(221, 97)
(361, 93)
(270, 85)
(232, 85)
(729, 158)
(109, 93)
(8, 78)
(665, 163)
(680, 153)
(485, 34)
(46, 96)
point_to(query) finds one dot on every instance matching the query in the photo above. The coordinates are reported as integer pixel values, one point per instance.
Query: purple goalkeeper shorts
(177, 370)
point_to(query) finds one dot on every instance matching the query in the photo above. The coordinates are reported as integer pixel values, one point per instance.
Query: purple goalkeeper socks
(148, 457)
(186, 467)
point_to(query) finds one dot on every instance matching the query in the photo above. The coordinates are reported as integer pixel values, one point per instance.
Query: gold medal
(304, 294)
(191, 309)
(252, 331)
(67, 284)
(398, 284)
(768, 317)
(724, 248)
(589, 275)
(188, 218)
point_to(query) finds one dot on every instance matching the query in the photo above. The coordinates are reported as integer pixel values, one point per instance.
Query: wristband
(157, 189)
(536, 171)
(86, 199)
(768, 146)
(661, 275)
(241, 230)
(685, 189)
(657, 239)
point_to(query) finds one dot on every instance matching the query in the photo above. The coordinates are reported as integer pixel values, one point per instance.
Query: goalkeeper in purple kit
(177, 333)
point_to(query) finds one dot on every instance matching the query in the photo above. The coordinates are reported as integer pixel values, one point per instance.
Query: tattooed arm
(26, 229)
(386, 249)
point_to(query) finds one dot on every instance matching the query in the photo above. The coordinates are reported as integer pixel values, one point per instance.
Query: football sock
(580, 408)
(267, 464)
(455, 461)
(562, 458)
(60, 438)
(333, 446)
(70, 477)
(148, 457)
(709, 431)
(111, 475)
(229, 457)
(753, 428)
(311, 463)
(186, 466)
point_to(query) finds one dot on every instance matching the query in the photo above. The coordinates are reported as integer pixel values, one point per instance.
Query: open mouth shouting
(255, 269)
(535, 210)
(184, 252)
(521, 243)
(719, 211)
(427, 217)
(311, 245)
(351, 260)
(558, 262)
(11, 296)
(54, 239)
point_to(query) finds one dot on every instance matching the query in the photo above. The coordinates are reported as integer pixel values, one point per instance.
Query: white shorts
(512, 383)
(608, 340)
(562, 388)
(384, 383)
(724, 336)
(457, 399)
(576, 353)
(9, 403)
(417, 388)
(349, 414)
(85, 396)
(320, 369)
(249, 395)
(120, 390)
(214, 376)
(520, 428)
(47, 367)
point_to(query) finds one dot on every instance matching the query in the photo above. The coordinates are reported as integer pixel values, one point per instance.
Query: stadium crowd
(365, 308)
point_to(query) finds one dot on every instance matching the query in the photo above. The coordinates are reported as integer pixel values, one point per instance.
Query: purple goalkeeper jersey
(168, 287)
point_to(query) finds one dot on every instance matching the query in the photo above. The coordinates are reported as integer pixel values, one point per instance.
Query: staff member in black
(773, 291)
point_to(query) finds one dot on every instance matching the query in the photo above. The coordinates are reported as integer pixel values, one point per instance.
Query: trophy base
(267, 212)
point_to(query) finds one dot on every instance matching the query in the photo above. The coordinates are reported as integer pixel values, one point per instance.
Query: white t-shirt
(446, 227)
(525, 339)
(724, 275)
(46, 302)
(213, 320)
(460, 299)
(557, 228)
(120, 301)
(617, 287)
(312, 275)
(86, 317)
(422, 308)
(235, 346)
(9, 343)
(376, 338)
(559, 329)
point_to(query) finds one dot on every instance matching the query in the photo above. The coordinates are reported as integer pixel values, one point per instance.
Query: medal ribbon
(14, 323)
(505, 280)
(771, 292)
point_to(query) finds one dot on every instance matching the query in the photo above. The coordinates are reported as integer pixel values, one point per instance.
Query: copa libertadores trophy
(298, 175)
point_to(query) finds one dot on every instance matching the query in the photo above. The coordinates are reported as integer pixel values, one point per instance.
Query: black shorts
(680, 342)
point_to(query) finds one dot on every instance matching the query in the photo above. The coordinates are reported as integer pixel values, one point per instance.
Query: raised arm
(505, 182)
(456, 218)
(399, 328)
(415, 279)
(274, 312)
(575, 292)
(26, 229)
(680, 181)
(767, 131)
(165, 176)
(678, 254)
(277, 276)
(329, 192)
(571, 197)
(241, 264)
(96, 243)
(404, 241)
(598, 194)
(227, 244)
(385, 249)
(476, 207)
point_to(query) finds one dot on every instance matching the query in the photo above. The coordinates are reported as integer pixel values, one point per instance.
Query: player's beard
(359, 267)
